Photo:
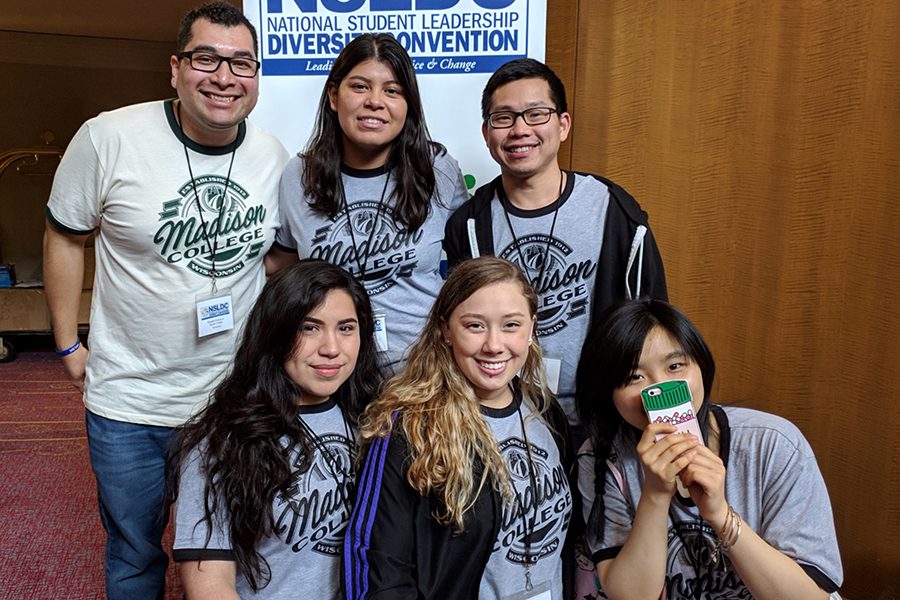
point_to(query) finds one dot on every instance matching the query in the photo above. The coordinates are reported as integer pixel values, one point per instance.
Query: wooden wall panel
(562, 48)
(762, 137)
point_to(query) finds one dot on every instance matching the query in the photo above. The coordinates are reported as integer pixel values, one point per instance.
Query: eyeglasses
(240, 66)
(504, 119)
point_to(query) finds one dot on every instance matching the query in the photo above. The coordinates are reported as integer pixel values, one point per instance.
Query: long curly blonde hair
(436, 408)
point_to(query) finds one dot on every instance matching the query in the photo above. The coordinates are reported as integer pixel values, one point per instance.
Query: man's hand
(75, 364)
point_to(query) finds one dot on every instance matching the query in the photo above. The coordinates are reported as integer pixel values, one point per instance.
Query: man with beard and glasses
(182, 196)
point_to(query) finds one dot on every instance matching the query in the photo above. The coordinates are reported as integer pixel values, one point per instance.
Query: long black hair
(610, 355)
(241, 432)
(411, 160)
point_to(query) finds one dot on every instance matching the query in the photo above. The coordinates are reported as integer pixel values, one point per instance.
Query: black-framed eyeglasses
(208, 62)
(504, 119)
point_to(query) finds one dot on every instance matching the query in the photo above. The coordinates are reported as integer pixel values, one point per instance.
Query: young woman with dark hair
(265, 474)
(372, 192)
(741, 513)
(464, 492)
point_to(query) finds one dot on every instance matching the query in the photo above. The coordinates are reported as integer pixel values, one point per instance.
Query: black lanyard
(537, 284)
(694, 554)
(533, 481)
(361, 263)
(187, 158)
(340, 476)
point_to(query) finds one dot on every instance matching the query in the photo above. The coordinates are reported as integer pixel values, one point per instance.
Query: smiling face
(662, 359)
(326, 349)
(212, 105)
(371, 109)
(526, 151)
(489, 335)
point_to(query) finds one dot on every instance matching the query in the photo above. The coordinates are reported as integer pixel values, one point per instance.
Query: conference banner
(455, 45)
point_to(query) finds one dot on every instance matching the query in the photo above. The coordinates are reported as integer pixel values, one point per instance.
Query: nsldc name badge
(215, 314)
(381, 340)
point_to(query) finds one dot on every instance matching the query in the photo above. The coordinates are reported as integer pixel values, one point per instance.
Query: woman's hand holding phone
(704, 478)
(665, 458)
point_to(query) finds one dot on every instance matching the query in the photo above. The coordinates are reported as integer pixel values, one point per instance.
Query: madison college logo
(563, 286)
(315, 512)
(690, 557)
(368, 243)
(533, 525)
(186, 235)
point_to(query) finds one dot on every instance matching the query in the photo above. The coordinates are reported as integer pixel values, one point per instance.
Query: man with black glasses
(182, 195)
(581, 239)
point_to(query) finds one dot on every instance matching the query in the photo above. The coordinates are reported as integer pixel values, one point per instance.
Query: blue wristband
(70, 349)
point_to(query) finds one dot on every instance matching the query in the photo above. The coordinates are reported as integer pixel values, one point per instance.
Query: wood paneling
(562, 54)
(155, 20)
(762, 138)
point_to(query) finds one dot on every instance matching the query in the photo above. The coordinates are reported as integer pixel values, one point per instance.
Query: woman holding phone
(741, 513)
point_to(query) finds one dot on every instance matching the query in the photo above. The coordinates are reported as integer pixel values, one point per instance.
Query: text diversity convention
(417, 32)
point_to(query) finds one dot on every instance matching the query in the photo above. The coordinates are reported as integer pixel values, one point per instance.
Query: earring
(530, 339)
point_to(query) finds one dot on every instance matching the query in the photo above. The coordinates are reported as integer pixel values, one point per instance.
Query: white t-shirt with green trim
(125, 175)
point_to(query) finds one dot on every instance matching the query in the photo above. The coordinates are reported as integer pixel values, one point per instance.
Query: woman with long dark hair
(265, 474)
(372, 192)
(464, 491)
(741, 513)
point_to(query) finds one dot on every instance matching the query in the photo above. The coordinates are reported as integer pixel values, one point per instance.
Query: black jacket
(624, 217)
(395, 548)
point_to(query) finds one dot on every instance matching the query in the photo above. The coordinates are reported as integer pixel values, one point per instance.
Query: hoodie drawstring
(637, 251)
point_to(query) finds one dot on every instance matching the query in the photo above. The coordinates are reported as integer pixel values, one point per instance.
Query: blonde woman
(464, 492)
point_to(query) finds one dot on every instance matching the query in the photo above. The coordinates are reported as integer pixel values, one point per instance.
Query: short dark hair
(609, 356)
(613, 348)
(219, 13)
(523, 68)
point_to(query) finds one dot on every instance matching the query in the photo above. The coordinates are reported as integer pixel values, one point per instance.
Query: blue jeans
(129, 463)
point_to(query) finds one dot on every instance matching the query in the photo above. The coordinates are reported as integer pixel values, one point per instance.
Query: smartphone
(670, 402)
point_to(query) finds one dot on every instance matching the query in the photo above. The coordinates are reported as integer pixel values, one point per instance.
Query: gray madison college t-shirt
(773, 482)
(565, 263)
(541, 515)
(305, 554)
(400, 270)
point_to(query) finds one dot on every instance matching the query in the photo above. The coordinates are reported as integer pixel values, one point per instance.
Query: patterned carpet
(51, 542)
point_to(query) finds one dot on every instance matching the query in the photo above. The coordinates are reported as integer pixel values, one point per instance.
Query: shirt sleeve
(454, 195)
(450, 182)
(290, 194)
(77, 192)
(191, 529)
(379, 547)
(796, 514)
